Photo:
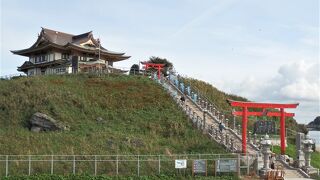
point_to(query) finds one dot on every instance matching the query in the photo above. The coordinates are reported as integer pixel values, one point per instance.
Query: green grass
(291, 152)
(135, 109)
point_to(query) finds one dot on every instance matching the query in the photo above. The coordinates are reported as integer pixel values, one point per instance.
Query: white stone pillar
(199, 101)
(217, 134)
(204, 119)
(307, 152)
(210, 108)
(227, 139)
(197, 122)
(222, 138)
(232, 144)
(239, 129)
(254, 138)
(265, 144)
(202, 104)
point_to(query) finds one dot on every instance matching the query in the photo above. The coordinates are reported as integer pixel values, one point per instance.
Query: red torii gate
(159, 67)
(245, 113)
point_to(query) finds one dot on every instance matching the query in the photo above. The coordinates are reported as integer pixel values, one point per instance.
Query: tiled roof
(62, 38)
(51, 38)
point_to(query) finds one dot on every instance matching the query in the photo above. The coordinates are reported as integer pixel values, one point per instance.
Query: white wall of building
(51, 57)
(57, 56)
(69, 70)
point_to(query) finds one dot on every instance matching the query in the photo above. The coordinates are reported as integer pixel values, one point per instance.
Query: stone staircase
(207, 119)
(290, 172)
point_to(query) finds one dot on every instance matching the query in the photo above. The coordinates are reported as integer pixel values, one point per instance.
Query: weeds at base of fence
(103, 177)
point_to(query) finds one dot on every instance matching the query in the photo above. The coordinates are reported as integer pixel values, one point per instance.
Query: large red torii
(159, 67)
(245, 113)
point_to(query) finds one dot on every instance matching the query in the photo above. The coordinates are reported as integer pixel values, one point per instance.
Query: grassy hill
(139, 117)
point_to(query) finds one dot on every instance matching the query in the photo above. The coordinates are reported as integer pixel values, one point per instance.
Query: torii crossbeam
(245, 113)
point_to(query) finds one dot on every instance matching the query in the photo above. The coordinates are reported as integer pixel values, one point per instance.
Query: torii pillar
(245, 113)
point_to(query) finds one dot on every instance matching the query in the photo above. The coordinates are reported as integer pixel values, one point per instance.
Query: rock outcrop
(315, 122)
(42, 122)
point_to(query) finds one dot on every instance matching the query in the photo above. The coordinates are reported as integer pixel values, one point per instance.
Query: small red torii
(245, 113)
(159, 67)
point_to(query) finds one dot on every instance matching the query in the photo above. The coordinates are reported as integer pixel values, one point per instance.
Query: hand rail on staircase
(200, 121)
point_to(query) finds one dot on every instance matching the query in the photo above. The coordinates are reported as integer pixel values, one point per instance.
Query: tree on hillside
(134, 70)
(158, 60)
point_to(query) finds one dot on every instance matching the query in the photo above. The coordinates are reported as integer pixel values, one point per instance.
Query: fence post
(238, 166)
(29, 160)
(117, 165)
(138, 165)
(74, 164)
(257, 156)
(248, 165)
(95, 165)
(159, 164)
(51, 164)
(7, 165)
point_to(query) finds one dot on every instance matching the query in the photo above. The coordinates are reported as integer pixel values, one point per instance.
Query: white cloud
(301, 89)
(295, 82)
(300, 81)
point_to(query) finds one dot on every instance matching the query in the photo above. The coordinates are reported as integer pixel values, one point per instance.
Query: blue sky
(263, 50)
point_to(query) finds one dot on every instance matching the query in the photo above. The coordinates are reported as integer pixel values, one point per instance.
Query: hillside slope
(139, 117)
(219, 98)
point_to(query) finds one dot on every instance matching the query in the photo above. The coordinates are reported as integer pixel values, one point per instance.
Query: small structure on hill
(158, 67)
(57, 52)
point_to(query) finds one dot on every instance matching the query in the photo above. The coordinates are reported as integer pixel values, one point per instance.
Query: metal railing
(115, 165)
(10, 76)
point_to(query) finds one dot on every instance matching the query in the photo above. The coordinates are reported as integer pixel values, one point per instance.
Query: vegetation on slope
(220, 98)
(140, 118)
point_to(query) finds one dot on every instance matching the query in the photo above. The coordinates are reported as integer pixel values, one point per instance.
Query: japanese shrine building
(57, 52)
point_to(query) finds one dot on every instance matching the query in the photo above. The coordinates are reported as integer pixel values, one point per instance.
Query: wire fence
(11, 76)
(123, 165)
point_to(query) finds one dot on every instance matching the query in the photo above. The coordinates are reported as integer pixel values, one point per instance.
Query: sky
(263, 50)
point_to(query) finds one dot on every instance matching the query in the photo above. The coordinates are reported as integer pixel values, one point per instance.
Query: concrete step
(292, 174)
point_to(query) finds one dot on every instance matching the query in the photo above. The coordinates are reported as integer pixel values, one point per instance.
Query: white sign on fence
(180, 163)
(226, 165)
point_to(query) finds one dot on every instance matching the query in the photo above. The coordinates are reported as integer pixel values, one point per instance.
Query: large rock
(42, 122)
